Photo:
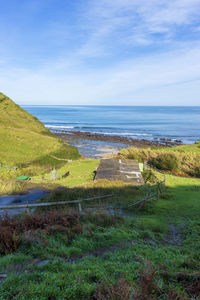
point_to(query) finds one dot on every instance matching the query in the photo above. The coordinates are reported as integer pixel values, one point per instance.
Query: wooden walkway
(120, 169)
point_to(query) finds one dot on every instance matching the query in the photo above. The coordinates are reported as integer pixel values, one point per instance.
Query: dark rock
(17, 201)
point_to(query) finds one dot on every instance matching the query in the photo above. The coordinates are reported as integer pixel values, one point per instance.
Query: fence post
(28, 209)
(157, 191)
(79, 207)
(115, 207)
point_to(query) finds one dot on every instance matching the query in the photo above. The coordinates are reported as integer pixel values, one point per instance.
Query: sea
(138, 122)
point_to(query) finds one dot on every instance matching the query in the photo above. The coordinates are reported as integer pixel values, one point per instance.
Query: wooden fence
(153, 192)
(44, 204)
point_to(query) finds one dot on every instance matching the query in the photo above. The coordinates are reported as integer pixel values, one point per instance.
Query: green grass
(81, 172)
(23, 148)
(165, 232)
(143, 236)
(25, 143)
(25, 140)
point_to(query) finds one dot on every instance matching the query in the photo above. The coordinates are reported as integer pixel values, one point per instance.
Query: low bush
(147, 287)
(13, 230)
(10, 240)
(166, 161)
(195, 172)
(149, 176)
(119, 291)
(182, 160)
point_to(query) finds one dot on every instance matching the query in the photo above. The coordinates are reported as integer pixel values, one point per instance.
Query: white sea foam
(59, 126)
(131, 134)
(126, 134)
(122, 133)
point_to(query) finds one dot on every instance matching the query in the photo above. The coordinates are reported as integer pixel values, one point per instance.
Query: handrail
(52, 203)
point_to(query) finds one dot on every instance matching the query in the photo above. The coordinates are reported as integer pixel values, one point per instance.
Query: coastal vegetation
(27, 147)
(115, 249)
(26, 139)
(182, 160)
(150, 254)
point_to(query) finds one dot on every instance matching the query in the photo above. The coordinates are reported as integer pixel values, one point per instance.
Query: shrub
(146, 288)
(9, 240)
(184, 159)
(12, 230)
(121, 290)
(149, 176)
(195, 172)
(166, 161)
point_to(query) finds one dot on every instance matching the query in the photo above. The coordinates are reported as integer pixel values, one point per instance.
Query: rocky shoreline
(162, 142)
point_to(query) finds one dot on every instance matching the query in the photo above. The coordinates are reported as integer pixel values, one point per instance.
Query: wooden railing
(44, 204)
(153, 192)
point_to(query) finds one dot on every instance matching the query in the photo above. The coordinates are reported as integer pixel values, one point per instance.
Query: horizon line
(109, 105)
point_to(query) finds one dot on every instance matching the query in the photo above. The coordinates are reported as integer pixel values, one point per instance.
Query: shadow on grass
(174, 202)
(54, 159)
(170, 273)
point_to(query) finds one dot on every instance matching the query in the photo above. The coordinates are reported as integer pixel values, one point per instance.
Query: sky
(100, 52)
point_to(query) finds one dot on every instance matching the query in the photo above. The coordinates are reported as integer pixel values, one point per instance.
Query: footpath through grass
(150, 254)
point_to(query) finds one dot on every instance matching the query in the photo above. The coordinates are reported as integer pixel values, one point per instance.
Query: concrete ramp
(120, 169)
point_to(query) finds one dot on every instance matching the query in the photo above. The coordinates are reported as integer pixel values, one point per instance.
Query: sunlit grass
(188, 157)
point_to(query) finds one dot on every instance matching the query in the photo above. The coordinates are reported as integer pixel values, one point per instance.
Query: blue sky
(122, 52)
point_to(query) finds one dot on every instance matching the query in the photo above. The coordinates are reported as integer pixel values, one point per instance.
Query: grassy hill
(25, 142)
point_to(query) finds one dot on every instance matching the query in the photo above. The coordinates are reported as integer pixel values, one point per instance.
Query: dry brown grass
(12, 230)
(145, 288)
(11, 186)
(189, 161)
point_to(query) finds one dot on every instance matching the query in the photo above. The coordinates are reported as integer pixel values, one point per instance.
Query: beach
(95, 145)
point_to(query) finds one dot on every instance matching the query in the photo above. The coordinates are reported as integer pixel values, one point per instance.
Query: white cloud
(142, 18)
(106, 27)
(126, 78)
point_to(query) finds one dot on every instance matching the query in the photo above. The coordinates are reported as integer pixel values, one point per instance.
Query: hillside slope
(24, 140)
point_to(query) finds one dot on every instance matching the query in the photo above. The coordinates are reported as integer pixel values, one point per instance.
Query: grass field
(153, 253)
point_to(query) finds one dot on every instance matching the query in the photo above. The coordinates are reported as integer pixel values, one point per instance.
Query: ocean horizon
(137, 122)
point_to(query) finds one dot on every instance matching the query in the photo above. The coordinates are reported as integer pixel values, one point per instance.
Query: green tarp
(26, 178)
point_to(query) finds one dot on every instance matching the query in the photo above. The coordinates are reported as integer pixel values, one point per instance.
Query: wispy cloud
(142, 22)
(102, 52)
(127, 78)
